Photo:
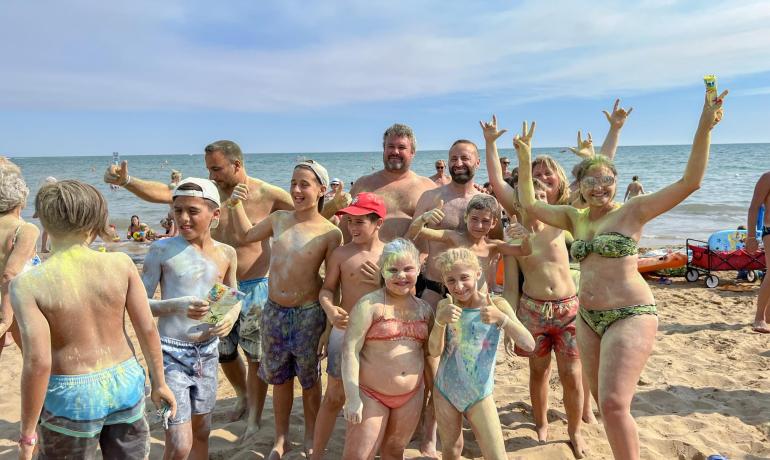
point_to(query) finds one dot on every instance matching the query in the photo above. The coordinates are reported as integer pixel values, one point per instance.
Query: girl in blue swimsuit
(465, 335)
(617, 314)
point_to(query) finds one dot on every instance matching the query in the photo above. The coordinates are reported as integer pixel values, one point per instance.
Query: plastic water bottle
(716, 457)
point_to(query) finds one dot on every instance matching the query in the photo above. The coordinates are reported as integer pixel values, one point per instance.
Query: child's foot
(578, 445)
(761, 326)
(589, 417)
(308, 446)
(279, 449)
(542, 433)
(238, 410)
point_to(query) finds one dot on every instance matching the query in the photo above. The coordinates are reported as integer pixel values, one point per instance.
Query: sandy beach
(705, 390)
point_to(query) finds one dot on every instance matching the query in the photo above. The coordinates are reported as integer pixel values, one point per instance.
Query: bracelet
(232, 204)
(438, 323)
(501, 326)
(128, 180)
(28, 440)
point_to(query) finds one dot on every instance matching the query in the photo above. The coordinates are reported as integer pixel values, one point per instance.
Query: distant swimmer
(761, 196)
(634, 188)
(441, 177)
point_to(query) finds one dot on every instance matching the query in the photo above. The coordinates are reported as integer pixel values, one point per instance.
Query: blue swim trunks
(191, 374)
(246, 330)
(290, 338)
(81, 405)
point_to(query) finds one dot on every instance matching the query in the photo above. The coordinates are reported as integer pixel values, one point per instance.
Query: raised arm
(761, 191)
(616, 120)
(647, 207)
(556, 216)
(341, 200)
(355, 336)
(23, 251)
(503, 191)
(244, 231)
(139, 313)
(281, 198)
(36, 341)
(154, 192)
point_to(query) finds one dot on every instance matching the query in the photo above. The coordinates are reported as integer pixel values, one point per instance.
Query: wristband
(438, 323)
(232, 204)
(501, 326)
(128, 180)
(28, 440)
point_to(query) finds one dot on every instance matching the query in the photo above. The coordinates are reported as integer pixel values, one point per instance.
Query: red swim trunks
(551, 323)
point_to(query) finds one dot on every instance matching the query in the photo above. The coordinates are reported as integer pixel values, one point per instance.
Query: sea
(720, 204)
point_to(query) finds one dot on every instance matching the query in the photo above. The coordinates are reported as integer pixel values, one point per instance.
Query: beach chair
(725, 250)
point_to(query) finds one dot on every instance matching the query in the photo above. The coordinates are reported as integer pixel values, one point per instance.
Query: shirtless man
(224, 161)
(440, 178)
(463, 163)
(395, 183)
(634, 188)
(761, 196)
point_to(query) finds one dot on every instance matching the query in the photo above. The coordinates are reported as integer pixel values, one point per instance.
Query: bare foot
(542, 433)
(308, 446)
(589, 417)
(761, 326)
(251, 430)
(44, 251)
(238, 410)
(428, 449)
(578, 445)
(279, 449)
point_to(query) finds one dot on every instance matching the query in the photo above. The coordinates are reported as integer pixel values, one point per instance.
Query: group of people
(403, 313)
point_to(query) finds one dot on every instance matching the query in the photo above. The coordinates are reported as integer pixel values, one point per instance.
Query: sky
(145, 77)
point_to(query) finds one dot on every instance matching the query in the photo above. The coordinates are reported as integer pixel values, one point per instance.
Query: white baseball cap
(209, 190)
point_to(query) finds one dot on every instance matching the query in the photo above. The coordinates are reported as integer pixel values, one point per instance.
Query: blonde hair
(462, 256)
(71, 206)
(13, 188)
(397, 249)
(562, 196)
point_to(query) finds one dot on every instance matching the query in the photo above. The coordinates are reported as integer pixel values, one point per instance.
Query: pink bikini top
(396, 329)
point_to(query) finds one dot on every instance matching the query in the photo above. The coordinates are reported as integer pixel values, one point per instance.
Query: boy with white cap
(187, 266)
(292, 319)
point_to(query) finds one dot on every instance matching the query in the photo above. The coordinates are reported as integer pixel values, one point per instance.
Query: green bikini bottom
(600, 320)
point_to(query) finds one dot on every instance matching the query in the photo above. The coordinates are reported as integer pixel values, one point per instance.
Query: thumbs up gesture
(435, 215)
(447, 311)
(515, 230)
(490, 314)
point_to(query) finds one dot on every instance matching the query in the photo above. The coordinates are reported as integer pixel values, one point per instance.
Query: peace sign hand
(523, 143)
(585, 148)
(712, 109)
(491, 133)
(618, 117)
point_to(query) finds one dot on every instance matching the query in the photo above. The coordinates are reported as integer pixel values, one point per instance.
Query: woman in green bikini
(617, 316)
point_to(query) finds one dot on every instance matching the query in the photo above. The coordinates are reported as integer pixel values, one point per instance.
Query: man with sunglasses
(441, 177)
(504, 163)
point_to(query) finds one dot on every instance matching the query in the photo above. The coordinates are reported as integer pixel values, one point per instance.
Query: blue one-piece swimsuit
(466, 372)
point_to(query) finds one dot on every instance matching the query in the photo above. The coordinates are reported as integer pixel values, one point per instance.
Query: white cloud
(149, 55)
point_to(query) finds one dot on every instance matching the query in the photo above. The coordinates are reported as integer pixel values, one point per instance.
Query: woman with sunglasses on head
(617, 318)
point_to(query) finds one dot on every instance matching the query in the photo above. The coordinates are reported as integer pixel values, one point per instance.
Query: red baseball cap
(365, 203)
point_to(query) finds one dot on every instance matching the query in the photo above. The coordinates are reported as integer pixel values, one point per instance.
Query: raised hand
(370, 272)
(435, 215)
(585, 148)
(447, 311)
(342, 198)
(523, 142)
(490, 314)
(240, 193)
(117, 174)
(712, 109)
(515, 230)
(491, 133)
(618, 116)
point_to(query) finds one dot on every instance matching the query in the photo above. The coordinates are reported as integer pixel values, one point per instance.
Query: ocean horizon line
(303, 153)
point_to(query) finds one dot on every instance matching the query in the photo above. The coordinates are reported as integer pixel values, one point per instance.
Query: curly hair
(13, 188)
(447, 260)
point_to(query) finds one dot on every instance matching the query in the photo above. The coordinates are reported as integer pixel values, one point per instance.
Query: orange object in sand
(651, 264)
(500, 275)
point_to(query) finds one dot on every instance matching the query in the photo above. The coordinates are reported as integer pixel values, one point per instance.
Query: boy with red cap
(352, 269)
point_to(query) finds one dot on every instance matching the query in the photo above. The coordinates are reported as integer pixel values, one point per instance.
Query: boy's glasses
(604, 181)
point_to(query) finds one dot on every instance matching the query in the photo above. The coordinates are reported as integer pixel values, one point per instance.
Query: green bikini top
(609, 244)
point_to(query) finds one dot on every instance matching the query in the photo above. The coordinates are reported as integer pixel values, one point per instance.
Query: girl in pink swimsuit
(383, 357)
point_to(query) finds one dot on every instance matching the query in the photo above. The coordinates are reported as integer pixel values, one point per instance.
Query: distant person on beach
(504, 163)
(617, 314)
(187, 267)
(395, 183)
(465, 336)
(176, 177)
(383, 359)
(18, 243)
(441, 177)
(547, 305)
(337, 190)
(352, 269)
(169, 226)
(761, 197)
(224, 160)
(634, 188)
(44, 238)
(292, 320)
(134, 227)
(81, 379)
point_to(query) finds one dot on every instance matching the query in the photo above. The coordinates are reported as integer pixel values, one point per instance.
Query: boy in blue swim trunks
(352, 269)
(292, 319)
(81, 379)
(187, 266)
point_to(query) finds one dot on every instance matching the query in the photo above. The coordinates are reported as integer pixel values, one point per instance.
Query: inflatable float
(661, 262)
